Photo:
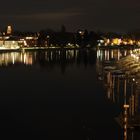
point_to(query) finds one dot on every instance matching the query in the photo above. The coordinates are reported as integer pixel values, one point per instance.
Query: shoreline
(119, 47)
(43, 48)
(68, 48)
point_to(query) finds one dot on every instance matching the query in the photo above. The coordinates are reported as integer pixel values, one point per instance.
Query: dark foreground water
(55, 95)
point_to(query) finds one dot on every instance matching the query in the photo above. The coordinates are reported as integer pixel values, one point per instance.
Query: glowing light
(116, 41)
(126, 106)
(9, 29)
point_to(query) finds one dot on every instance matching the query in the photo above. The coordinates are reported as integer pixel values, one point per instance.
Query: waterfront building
(118, 42)
(31, 41)
(12, 43)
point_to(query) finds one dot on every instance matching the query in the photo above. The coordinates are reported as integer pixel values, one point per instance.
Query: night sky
(106, 15)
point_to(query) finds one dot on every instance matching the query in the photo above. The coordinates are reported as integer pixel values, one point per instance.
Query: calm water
(56, 95)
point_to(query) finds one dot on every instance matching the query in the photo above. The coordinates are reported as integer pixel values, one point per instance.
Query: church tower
(9, 30)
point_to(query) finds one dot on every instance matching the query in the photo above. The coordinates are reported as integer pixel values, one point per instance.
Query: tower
(9, 30)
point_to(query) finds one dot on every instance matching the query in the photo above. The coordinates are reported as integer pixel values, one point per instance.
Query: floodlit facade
(12, 43)
(9, 30)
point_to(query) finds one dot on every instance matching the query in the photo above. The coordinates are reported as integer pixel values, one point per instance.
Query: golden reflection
(28, 58)
(9, 58)
(109, 54)
(123, 87)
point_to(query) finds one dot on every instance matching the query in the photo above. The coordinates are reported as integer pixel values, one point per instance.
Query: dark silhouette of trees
(93, 38)
(86, 39)
(62, 38)
(42, 38)
(79, 38)
(134, 34)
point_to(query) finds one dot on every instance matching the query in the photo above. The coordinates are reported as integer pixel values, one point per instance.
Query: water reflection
(49, 58)
(11, 58)
(122, 90)
(109, 54)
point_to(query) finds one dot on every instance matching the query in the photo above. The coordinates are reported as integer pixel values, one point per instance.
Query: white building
(12, 43)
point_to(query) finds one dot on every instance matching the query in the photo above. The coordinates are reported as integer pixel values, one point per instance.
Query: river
(57, 95)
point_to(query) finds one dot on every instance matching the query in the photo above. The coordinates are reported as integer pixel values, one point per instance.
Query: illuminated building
(118, 42)
(31, 41)
(12, 43)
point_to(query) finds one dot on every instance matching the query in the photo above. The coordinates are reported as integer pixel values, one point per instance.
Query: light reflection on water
(122, 91)
(8, 58)
(108, 54)
(32, 57)
(82, 98)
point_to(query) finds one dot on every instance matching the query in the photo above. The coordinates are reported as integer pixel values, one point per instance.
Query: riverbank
(119, 47)
(44, 48)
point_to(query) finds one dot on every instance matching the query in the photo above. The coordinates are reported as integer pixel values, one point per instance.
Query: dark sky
(108, 15)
